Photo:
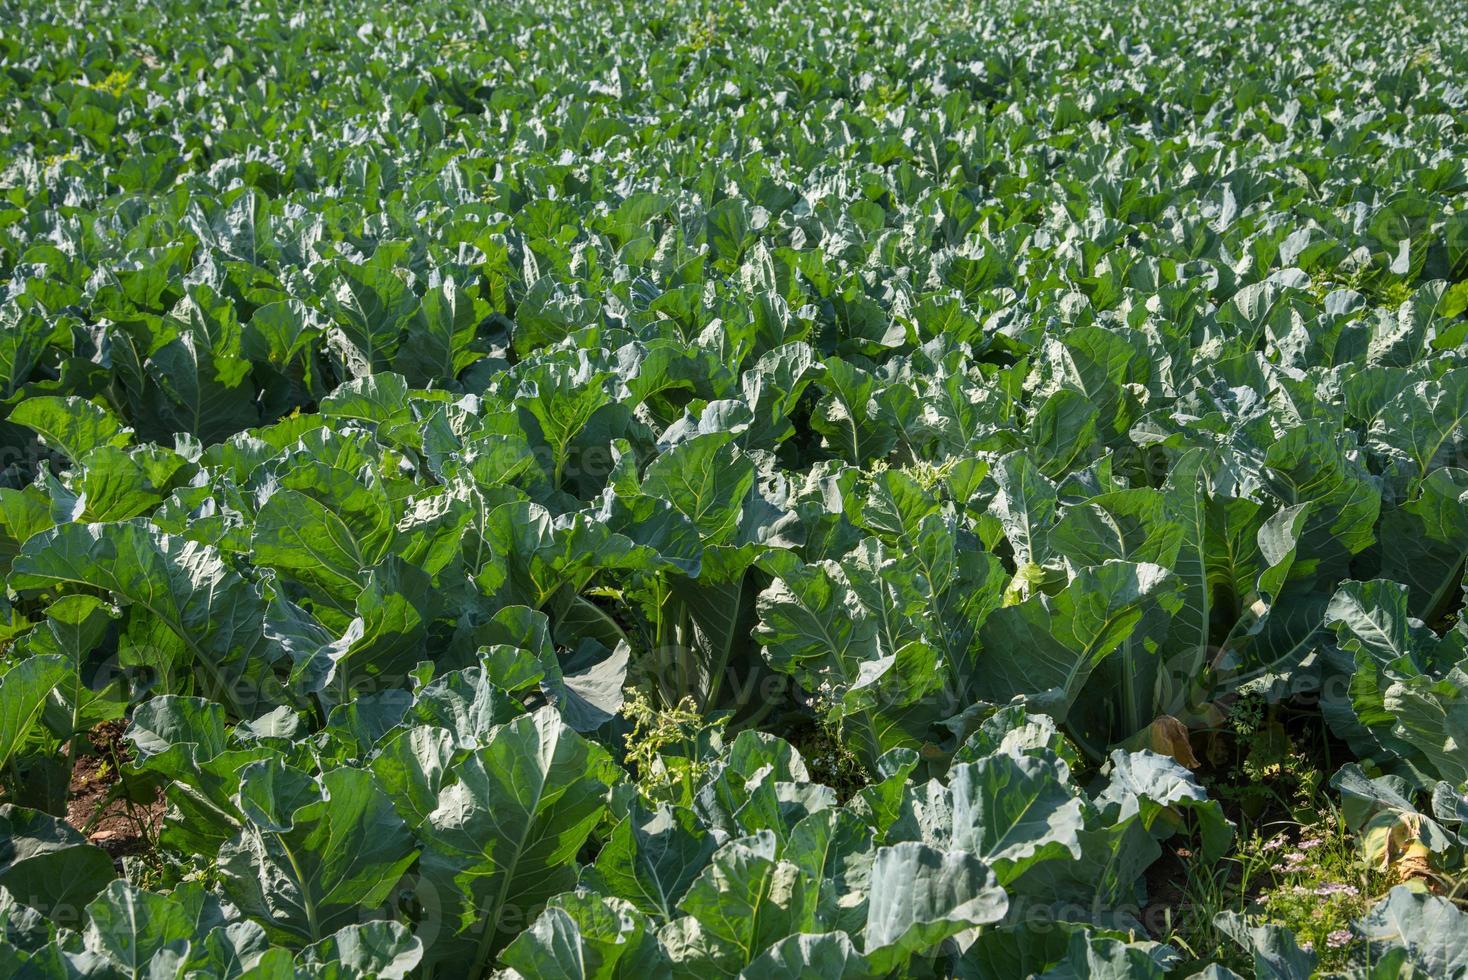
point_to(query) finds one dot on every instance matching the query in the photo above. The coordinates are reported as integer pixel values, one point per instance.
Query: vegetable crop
(723, 488)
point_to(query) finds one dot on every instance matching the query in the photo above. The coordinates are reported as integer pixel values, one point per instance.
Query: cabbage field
(733, 488)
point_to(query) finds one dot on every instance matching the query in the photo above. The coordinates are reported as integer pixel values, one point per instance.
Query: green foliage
(766, 488)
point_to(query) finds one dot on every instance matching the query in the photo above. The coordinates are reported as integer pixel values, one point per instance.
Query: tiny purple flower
(1335, 888)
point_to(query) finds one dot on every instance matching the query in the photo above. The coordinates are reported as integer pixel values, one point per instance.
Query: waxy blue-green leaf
(825, 954)
(1046, 648)
(922, 896)
(22, 514)
(328, 850)
(1056, 949)
(650, 859)
(1275, 952)
(1425, 423)
(1424, 541)
(112, 484)
(380, 949)
(1428, 927)
(587, 937)
(707, 479)
(1156, 789)
(504, 834)
(1025, 506)
(47, 864)
(24, 691)
(748, 898)
(442, 341)
(200, 377)
(812, 626)
(849, 417)
(371, 306)
(71, 424)
(1011, 813)
(184, 587)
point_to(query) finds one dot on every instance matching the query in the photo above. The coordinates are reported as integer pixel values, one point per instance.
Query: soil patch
(119, 815)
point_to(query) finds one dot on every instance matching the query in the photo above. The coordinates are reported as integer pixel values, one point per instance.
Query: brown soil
(121, 819)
